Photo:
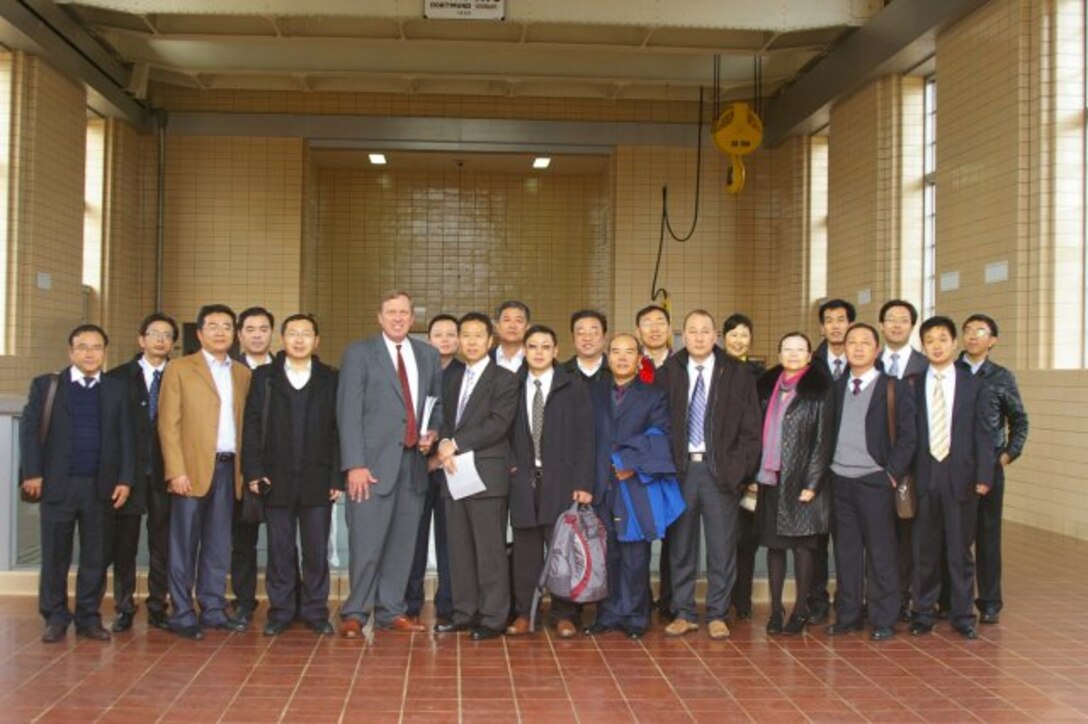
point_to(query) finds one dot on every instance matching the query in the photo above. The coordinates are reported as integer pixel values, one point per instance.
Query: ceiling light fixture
(541, 162)
(378, 159)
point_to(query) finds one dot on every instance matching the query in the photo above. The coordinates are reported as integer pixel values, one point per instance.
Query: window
(817, 216)
(93, 223)
(929, 200)
(5, 180)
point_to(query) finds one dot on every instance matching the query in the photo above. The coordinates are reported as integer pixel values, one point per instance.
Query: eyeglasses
(977, 332)
(161, 336)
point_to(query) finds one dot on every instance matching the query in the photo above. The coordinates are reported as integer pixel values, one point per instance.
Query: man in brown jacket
(201, 405)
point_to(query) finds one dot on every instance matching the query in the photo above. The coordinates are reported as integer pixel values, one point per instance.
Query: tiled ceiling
(626, 49)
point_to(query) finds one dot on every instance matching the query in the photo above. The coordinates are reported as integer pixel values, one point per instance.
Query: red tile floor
(1033, 666)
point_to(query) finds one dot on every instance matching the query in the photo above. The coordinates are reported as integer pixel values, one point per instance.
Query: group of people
(482, 427)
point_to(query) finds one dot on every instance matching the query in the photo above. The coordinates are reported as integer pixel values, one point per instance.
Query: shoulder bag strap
(891, 410)
(47, 412)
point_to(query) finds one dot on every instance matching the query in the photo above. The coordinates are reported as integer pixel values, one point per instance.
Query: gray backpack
(575, 568)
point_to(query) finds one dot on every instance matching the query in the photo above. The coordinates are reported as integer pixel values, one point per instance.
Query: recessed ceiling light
(378, 159)
(541, 162)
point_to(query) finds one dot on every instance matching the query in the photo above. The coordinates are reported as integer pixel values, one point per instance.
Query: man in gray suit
(385, 382)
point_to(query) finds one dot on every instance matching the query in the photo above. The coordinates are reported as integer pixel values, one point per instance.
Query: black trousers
(79, 507)
(865, 549)
(158, 546)
(122, 545)
(310, 524)
(529, 547)
(944, 530)
(433, 504)
(988, 544)
(243, 560)
(747, 545)
(479, 568)
(819, 599)
(903, 528)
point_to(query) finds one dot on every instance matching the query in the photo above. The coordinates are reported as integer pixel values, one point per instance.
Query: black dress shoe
(243, 613)
(989, 617)
(967, 630)
(920, 628)
(818, 613)
(95, 632)
(483, 633)
(275, 628)
(193, 633)
(744, 613)
(122, 623)
(322, 628)
(904, 614)
(230, 623)
(54, 633)
(159, 620)
(843, 627)
(451, 627)
(774, 623)
(882, 633)
(795, 625)
(634, 633)
(595, 629)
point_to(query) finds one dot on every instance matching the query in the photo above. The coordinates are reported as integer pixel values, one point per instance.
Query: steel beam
(895, 41)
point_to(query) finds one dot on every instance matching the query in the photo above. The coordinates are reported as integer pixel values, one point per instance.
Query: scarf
(785, 389)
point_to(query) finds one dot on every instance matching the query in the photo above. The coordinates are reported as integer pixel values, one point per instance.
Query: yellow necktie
(938, 429)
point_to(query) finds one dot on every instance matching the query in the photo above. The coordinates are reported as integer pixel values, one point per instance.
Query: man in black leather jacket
(1010, 425)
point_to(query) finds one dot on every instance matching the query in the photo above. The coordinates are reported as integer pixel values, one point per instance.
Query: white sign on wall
(464, 9)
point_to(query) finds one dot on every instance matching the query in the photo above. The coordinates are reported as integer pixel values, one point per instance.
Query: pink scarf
(785, 389)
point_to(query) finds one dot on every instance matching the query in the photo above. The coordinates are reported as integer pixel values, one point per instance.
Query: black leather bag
(906, 496)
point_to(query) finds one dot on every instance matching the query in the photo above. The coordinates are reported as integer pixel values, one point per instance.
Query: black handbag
(906, 497)
(253, 503)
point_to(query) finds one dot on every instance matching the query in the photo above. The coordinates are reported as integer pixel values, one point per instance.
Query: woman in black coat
(737, 333)
(792, 510)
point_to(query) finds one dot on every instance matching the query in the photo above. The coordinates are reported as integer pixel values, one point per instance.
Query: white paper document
(466, 481)
(428, 408)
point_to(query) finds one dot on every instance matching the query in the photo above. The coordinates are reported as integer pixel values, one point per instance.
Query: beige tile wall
(874, 205)
(45, 211)
(458, 242)
(233, 224)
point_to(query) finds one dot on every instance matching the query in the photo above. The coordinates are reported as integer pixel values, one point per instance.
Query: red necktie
(411, 435)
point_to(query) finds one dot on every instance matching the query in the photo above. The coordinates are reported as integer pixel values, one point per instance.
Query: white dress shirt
(904, 358)
(149, 371)
(866, 380)
(590, 371)
(298, 377)
(511, 363)
(224, 385)
(253, 363)
(845, 367)
(530, 392)
(409, 365)
(708, 375)
(77, 376)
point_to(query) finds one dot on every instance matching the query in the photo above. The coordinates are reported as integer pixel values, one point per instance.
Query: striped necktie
(938, 420)
(697, 411)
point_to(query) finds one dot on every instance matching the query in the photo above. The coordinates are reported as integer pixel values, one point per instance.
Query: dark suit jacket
(485, 424)
(52, 460)
(147, 454)
(602, 373)
(567, 449)
(895, 460)
(734, 423)
(643, 407)
(971, 452)
(275, 459)
(916, 363)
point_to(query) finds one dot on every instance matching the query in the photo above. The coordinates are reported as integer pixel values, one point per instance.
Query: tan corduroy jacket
(189, 417)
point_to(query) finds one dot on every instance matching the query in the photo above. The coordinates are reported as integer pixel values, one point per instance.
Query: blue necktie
(153, 395)
(697, 411)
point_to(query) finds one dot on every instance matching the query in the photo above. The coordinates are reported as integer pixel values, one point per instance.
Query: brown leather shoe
(520, 627)
(565, 629)
(405, 625)
(351, 628)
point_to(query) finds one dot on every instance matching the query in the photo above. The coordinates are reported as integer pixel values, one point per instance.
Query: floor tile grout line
(131, 686)
(460, 681)
(562, 677)
(208, 660)
(301, 675)
(612, 673)
(510, 674)
(710, 671)
(252, 668)
(351, 687)
(407, 675)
